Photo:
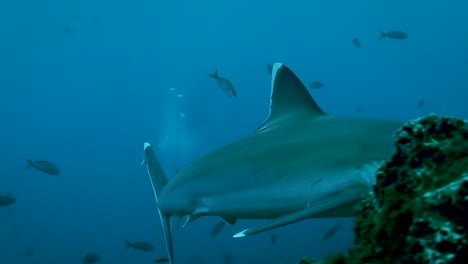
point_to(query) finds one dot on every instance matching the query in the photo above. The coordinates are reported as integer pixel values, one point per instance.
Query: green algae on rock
(418, 209)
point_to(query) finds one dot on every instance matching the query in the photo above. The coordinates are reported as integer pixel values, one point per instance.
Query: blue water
(84, 83)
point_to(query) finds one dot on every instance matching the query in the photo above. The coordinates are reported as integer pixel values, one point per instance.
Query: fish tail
(159, 181)
(128, 244)
(29, 164)
(214, 74)
(382, 34)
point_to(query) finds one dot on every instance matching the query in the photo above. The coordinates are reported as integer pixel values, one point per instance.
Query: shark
(300, 163)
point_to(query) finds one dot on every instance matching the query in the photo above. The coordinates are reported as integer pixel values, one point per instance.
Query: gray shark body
(300, 163)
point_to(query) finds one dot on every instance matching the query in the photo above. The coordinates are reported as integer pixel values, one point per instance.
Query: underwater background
(85, 83)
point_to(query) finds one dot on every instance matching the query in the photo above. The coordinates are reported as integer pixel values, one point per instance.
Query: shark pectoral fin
(275, 223)
(166, 223)
(155, 171)
(335, 201)
(229, 220)
(158, 182)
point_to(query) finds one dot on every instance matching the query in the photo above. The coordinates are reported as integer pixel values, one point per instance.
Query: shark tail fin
(214, 74)
(29, 164)
(159, 181)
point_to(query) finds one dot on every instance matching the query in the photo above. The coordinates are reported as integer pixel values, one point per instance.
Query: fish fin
(155, 171)
(229, 220)
(128, 244)
(214, 75)
(29, 164)
(199, 212)
(158, 182)
(382, 34)
(191, 218)
(289, 98)
(340, 199)
(166, 222)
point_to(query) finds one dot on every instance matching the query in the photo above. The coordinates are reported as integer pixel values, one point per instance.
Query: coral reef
(418, 210)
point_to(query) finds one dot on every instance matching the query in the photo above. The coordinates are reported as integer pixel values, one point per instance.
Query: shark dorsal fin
(289, 99)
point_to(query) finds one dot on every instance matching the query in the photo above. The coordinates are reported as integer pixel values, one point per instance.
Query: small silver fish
(91, 258)
(316, 85)
(356, 42)
(224, 84)
(139, 245)
(393, 35)
(273, 239)
(30, 252)
(359, 109)
(421, 103)
(65, 30)
(44, 166)
(6, 200)
(332, 231)
(217, 228)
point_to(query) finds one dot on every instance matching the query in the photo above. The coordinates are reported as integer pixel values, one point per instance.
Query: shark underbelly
(266, 200)
(257, 203)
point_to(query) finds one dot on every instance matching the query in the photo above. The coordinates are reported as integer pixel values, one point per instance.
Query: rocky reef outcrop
(418, 209)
